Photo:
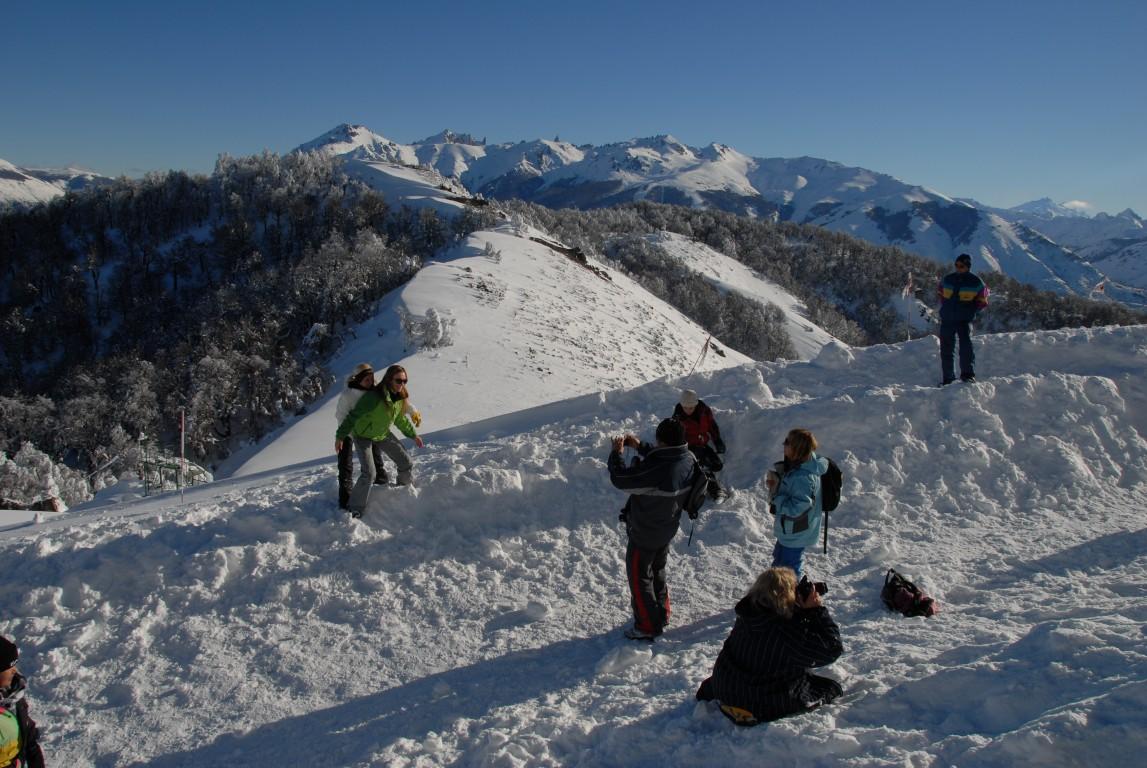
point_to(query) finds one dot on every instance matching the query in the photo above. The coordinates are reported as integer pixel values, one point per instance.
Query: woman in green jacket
(369, 422)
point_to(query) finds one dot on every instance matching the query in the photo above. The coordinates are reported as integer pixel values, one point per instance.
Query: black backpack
(698, 491)
(830, 483)
(902, 596)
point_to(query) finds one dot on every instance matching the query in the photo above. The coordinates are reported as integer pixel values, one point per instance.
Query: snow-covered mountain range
(28, 186)
(1033, 243)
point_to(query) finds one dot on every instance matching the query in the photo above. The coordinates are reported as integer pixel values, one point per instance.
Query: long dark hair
(384, 385)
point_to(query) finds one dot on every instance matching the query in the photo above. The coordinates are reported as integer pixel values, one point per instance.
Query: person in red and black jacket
(19, 736)
(700, 430)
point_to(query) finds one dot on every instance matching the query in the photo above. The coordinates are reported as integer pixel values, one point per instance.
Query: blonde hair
(775, 589)
(360, 372)
(803, 443)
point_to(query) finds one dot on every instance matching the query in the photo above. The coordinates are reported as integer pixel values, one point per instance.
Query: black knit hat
(8, 654)
(671, 432)
(964, 258)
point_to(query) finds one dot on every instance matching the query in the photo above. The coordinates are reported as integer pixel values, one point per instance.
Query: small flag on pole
(182, 455)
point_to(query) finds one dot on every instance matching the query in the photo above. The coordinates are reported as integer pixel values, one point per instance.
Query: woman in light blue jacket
(795, 488)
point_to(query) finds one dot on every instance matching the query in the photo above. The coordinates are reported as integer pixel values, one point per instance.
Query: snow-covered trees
(30, 476)
(430, 331)
(757, 330)
(123, 304)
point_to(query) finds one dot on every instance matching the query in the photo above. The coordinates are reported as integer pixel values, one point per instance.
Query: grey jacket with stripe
(658, 486)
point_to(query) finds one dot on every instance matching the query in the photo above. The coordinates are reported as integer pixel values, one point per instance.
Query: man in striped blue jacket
(962, 297)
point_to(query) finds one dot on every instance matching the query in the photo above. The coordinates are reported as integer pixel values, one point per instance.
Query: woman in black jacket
(778, 637)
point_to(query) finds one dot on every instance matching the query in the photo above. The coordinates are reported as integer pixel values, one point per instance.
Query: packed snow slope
(521, 323)
(477, 619)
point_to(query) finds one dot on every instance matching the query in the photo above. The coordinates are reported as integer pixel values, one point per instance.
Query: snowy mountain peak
(448, 136)
(359, 142)
(28, 186)
(1047, 208)
(664, 143)
(10, 170)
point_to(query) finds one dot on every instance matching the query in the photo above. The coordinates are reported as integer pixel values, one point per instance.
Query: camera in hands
(806, 587)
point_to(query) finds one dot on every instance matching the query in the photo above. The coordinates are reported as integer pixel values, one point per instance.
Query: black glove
(719, 444)
(693, 514)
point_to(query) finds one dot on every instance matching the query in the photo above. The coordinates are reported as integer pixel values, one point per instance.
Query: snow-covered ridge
(477, 620)
(523, 324)
(731, 275)
(18, 186)
(28, 186)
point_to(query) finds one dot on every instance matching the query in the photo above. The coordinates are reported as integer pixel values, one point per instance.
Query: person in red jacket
(700, 430)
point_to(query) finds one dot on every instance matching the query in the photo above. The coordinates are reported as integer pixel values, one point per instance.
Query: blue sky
(1003, 101)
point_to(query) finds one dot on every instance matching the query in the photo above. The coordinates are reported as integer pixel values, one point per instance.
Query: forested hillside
(845, 282)
(220, 295)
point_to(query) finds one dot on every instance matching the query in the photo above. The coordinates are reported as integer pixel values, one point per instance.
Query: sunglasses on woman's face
(398, 381)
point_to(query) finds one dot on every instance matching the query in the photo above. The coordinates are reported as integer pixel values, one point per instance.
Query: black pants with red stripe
(649, 594)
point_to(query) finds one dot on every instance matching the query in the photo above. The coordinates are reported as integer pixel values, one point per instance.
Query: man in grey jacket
(658, 484)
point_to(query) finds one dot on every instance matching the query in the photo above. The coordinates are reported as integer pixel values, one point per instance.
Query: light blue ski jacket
(797, 504)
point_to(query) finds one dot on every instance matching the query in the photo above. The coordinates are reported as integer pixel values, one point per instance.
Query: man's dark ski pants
(645, 569)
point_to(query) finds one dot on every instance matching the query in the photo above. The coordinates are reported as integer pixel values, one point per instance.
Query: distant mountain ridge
(1041, 243)
(28, 186)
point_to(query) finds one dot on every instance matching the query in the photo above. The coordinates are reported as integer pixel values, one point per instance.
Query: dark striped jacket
(764, 665)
